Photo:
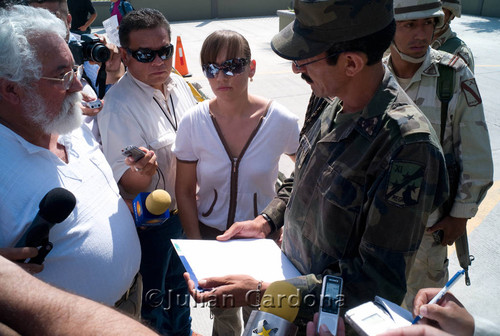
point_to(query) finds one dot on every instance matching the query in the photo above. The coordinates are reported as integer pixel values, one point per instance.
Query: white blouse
(253, 174)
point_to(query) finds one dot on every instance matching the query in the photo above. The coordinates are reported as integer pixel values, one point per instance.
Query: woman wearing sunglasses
(228, 149)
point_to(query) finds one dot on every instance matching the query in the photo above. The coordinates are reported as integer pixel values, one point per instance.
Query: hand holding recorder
(141, 160)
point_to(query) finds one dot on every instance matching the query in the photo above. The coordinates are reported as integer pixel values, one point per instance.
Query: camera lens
(100, 53)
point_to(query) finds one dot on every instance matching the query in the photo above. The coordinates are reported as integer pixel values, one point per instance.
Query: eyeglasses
(68, 78)
(148, 55)
(300, 66)
(230, 67)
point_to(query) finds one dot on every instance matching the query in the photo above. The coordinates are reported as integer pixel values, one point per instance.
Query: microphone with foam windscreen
(279, 308)
(151, 209)
(54, 207)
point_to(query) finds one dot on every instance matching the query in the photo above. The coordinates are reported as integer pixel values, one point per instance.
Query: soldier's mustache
(306, 78)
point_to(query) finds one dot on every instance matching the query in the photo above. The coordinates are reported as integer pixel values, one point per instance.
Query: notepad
(377, 316)
(260, 258)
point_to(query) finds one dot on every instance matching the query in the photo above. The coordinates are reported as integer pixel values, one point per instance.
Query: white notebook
(377, 316)
(259, 258)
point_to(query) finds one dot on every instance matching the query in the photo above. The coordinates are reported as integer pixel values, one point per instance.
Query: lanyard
(170, 115)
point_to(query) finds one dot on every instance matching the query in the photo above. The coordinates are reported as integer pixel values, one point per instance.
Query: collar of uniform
(426, 68)
(168, 86)
(429, 67)
(443, 38)
(369, 122)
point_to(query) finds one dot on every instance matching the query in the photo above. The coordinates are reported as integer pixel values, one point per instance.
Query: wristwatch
(270, 222)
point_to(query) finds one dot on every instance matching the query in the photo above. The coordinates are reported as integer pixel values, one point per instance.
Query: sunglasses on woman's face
(230, 67)
(144, 55)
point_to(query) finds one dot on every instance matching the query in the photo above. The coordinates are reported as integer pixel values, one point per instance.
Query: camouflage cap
(454, 6)
(319, 24)
(418, 9)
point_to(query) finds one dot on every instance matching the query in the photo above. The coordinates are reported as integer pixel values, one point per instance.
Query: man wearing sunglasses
(144, 109)
(369, 169)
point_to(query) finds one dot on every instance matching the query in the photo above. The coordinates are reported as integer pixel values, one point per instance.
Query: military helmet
(319, 24)
(418, 9)
(454, 6)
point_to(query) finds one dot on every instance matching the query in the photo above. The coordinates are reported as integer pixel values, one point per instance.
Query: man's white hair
(18, 26)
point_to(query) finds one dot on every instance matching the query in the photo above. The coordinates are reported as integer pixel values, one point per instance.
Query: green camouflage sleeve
(395, 215)
(276, 208)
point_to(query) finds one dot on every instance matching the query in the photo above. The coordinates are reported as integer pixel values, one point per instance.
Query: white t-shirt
(134, 114)
(198, 140)
(96, 251)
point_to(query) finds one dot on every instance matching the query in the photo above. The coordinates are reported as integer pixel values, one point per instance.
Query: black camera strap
(100, 81)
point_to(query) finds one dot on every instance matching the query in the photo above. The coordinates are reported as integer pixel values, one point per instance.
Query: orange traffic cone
(180, 59)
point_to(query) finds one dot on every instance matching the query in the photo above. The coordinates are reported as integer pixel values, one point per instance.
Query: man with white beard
(96, 251)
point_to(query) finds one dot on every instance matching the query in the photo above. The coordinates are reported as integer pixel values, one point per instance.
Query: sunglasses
(230, 67)
(148, 55)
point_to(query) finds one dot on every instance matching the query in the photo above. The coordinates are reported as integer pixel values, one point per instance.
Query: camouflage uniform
(459, 47)
(466, 136)
(362, 192)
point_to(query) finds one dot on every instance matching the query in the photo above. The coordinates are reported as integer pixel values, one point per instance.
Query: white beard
(69, 118)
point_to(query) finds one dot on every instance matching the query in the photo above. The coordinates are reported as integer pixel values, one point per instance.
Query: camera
(92, 104)
(89, 48)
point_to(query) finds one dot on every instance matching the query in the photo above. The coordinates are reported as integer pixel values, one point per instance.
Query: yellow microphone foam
(281, 299)
(158, 202)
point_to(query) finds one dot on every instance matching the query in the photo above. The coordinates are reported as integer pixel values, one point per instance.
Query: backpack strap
(451, 45)
(444, 90)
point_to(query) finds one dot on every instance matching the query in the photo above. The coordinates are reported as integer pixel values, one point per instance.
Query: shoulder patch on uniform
(405, 182)
(410, 120)
(451, 60)
(471, 92)
(431, 70)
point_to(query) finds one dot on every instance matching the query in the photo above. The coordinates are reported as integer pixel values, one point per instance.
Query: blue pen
(442, 292)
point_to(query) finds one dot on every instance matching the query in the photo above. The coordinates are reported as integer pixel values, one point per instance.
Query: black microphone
(54, 207)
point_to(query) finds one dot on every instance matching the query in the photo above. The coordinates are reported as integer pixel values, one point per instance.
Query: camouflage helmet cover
(418, 9)
(319, 24)
(454, 6)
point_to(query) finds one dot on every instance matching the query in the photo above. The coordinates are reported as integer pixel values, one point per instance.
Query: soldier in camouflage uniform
(446, 39)
(369, 168)
(464, 135)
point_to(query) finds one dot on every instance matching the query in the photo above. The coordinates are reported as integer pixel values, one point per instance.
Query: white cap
(454, 6)
(418, 9)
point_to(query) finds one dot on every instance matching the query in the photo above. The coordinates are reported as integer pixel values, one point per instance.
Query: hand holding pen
(441, 293)
(449, 313)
